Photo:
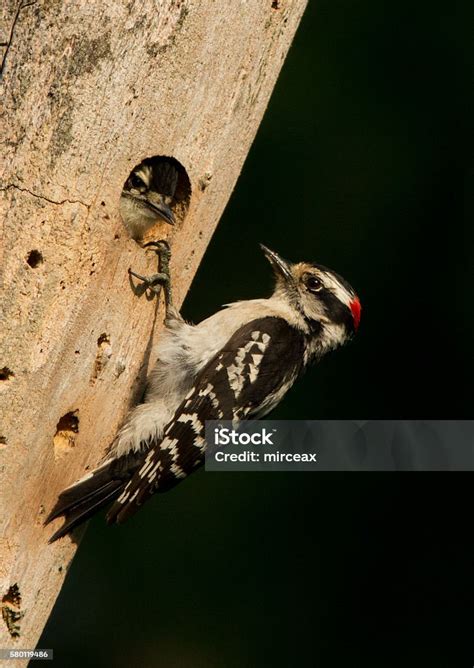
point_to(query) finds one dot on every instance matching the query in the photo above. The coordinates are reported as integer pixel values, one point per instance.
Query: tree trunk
(90, 90)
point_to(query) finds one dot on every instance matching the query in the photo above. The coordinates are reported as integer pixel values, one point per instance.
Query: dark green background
(363, 163)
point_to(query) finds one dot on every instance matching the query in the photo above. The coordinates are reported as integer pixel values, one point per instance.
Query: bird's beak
(281, 267)
(157, 205)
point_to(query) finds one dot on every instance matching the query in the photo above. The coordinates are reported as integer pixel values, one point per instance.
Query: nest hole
(34, 258)
(156, 192)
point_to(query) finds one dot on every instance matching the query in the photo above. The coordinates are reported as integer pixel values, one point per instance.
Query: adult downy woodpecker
(147, 197)
(238, 364)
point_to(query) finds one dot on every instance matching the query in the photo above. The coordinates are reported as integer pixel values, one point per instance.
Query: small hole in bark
(3, 441)
(66, 433)
(157, 192)
(103, 338)
(6, 373)
(204, 181)
(275, 4)
(34, 259)
(11, 610)
(104, 353)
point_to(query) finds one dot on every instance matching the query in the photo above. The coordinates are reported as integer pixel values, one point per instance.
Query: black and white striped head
(147, 195)
(324, 299)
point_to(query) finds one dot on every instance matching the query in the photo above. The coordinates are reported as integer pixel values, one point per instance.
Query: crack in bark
(12, 30)
(44, 198)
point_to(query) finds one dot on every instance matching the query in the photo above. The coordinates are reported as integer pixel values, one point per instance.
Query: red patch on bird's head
(356, 308)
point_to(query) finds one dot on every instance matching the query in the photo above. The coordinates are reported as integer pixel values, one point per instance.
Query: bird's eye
(313, 284)
(136, 182)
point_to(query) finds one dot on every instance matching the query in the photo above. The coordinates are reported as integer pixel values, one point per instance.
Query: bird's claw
(161, 248)
(162, 278)
(153, 282)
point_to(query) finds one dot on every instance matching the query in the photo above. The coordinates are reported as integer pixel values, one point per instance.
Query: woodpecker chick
(236, 365)
(147, 197)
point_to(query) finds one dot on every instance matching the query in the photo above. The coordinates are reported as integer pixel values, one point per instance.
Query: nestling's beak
(156, 204)
(281, 267)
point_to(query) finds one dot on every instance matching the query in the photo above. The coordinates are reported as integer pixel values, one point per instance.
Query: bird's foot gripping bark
(162, 278)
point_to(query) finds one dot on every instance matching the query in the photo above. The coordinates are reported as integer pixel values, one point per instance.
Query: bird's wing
(245, 379)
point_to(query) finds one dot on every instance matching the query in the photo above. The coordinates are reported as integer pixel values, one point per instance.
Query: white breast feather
(183, 351)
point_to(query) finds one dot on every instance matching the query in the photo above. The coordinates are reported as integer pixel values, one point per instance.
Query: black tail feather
(86, 497)
(81, 491)
(83, 511)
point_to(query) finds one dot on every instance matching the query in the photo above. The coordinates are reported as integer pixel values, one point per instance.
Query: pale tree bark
(89, 90)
